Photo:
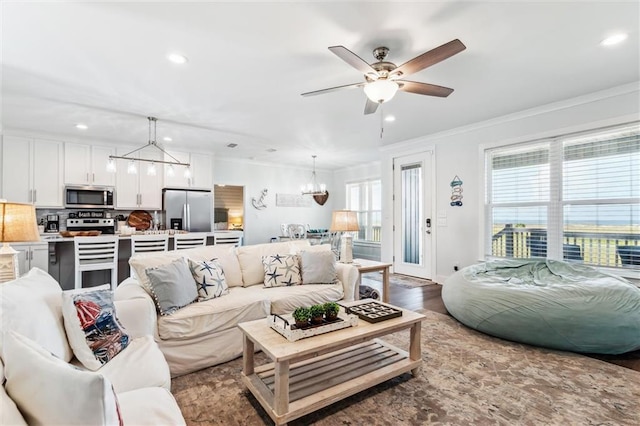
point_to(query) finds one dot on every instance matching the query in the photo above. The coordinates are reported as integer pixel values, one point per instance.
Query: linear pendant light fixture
(152, 167)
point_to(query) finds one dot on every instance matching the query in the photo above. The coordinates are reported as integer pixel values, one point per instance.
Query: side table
(364, 266)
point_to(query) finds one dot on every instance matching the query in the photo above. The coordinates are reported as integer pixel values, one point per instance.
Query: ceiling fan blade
(424, 89)
(370, 107)
(429, 58)
(354, 60)
(333, 89)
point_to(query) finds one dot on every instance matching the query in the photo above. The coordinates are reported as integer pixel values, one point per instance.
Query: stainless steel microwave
(88, 197)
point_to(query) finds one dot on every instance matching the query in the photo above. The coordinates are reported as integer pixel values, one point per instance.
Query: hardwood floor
(427, 297)
(430, 297)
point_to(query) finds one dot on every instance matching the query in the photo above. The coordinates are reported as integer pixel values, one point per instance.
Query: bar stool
(223, 239)
(149, 243)
(96, 254)
(189, 240)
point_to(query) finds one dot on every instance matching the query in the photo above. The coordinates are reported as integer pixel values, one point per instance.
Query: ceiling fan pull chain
(381, 120)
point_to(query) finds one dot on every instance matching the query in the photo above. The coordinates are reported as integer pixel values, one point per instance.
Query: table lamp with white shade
(345, 221)
(17, 224)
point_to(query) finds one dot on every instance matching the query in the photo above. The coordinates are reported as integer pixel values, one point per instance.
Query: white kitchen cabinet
(32, 171)
(32, 255)
(87, 165)
(140, 190)
(201, 171)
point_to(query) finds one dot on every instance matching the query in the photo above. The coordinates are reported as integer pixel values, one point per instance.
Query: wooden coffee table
(312, 373)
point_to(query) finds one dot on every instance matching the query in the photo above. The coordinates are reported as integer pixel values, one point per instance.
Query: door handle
(428, 225)
(184, 217)
(188, 217)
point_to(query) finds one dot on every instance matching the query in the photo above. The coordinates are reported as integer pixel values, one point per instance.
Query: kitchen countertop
(57, 238)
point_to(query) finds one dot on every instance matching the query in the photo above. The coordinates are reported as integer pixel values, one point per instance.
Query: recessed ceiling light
(81, 126)
(167, 139)
(614, 39)
(232, 145)
(177, 58)
(271, 150)
(390, 118)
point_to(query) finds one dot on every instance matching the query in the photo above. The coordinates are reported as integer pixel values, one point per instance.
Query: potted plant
(317, 314)
(331, 310)
(301, 316)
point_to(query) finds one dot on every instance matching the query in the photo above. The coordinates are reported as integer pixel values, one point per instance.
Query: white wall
(460, 152)
(261, 225)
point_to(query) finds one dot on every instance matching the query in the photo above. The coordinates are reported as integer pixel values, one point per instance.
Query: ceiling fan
(383, 79)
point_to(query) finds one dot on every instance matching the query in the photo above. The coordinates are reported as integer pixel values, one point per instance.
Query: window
(575, 197)
(366, 199)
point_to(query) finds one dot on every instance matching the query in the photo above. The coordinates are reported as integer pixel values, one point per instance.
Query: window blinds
(601, 195)
(587, 187)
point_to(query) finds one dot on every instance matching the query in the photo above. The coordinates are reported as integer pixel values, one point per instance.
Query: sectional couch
(205, 333)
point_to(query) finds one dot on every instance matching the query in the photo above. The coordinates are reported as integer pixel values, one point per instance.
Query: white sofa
(205, 333)
(41, 378)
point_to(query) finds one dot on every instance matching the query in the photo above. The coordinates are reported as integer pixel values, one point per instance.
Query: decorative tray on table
(285, 325)
(374, 311)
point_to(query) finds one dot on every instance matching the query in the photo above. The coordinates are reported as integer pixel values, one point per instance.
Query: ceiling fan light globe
(381, 90)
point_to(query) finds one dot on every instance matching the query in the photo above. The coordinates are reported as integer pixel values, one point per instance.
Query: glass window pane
(376, 195)
(602, 166)
(363, 197)
(519, 232)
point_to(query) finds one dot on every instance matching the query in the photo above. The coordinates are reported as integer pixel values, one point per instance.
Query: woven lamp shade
(18, 223)
(344, 221)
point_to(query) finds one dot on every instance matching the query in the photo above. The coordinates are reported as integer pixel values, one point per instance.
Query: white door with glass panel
(412, 253)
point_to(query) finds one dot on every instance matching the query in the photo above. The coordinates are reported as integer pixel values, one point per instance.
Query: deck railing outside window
(611, 249)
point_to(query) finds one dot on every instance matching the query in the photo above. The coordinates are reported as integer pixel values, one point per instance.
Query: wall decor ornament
(258, 203)
(292, 200)
(321, 198)
(456, 192)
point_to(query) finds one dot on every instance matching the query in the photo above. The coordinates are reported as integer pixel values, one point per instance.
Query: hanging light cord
(153, 143)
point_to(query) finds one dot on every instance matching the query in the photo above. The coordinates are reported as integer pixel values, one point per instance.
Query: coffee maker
(53, 223)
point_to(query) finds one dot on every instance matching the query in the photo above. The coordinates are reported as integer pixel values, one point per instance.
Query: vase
(302, 324)
(331, 316)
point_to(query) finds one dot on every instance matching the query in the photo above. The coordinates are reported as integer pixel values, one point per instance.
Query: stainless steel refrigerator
(190, 210)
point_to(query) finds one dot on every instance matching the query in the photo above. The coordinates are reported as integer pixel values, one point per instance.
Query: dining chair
(297, 231)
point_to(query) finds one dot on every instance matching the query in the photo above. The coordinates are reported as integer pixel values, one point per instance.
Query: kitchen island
(61, 265)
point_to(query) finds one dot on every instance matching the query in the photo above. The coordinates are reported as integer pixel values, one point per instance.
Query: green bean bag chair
(553, 304)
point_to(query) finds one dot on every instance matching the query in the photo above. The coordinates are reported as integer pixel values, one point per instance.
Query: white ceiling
(104, 64)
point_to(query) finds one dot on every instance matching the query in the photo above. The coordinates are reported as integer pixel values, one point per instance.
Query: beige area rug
(467, 378)
(398, 279)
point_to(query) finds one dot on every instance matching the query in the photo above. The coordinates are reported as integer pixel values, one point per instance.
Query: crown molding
(531, 112)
